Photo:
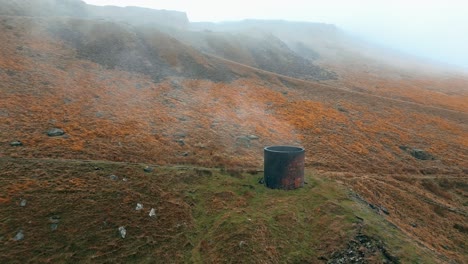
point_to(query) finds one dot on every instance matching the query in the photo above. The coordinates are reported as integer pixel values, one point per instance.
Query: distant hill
(79, 9)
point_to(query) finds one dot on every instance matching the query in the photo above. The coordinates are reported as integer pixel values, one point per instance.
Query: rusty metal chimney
(284, 167)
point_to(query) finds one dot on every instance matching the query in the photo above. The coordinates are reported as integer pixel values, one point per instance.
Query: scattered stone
(261, 180)
(148, 169)
(185, 154)
(253, 137)
(55, 132)
(55, 219)
(421, 154)
(181, 142)
(16, 143)
(417, 153)
(384, 210)
(359, 218)
(23, 202)
(124, 179)
(243, 141)
(200, 145)
(53, 226)
(342, 109)
(413, 224)
(19, 236)
(97, 168)
(360, 250)
(122, 232)
(461, 228)
(152, 212)
(139, 206)
(242, 243)
(180, 134)
(113, 177)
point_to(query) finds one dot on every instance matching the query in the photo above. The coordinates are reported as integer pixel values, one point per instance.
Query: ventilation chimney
(284, 167)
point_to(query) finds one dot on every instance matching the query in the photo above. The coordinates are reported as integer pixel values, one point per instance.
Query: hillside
(378, 130)
(201, 216)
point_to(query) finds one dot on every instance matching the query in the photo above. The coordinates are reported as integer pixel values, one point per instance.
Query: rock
(180, 135)
(152, 212)
(180, 142)
(242, 243)
(113, 177)
(421, 154)
(53, 226)
(252, 137)
(19, 236)
(413, 224)
(55, 219)
(122, 232)
(342, 109)
(200, 145)
(185, 154)
(417, 153)
(16, 143)
(148, 169)
(360, 249)
(55, 132)
(23, 202)
(261, 180)
(404, 148)
(461, 228)
(243, 141)
(139, 206)
(384, 210)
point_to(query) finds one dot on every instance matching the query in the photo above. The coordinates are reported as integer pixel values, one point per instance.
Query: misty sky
(433, 29)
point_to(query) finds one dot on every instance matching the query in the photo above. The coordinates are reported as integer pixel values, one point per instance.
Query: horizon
(431, 30)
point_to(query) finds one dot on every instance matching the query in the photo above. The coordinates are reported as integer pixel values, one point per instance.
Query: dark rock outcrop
(418, 153)
(361, 250)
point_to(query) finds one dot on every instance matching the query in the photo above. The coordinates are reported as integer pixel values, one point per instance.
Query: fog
(437, 30)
